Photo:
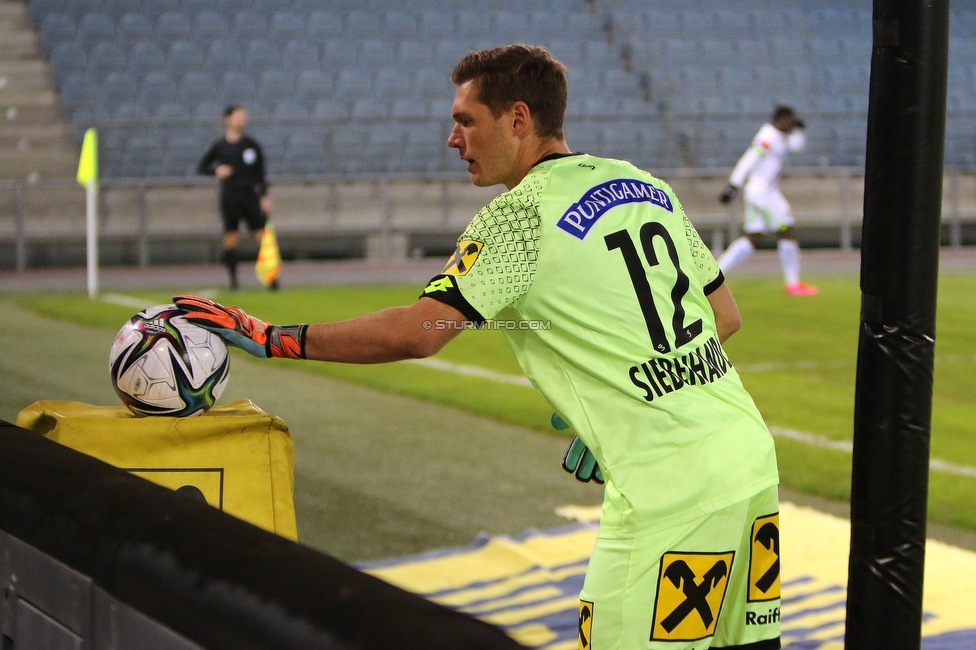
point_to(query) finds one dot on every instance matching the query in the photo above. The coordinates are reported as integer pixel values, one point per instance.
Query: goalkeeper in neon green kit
(687, 554)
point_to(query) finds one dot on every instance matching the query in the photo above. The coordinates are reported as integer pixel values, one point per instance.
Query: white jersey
(763, 160)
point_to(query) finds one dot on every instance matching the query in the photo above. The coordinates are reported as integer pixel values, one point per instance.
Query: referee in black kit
(237, 160)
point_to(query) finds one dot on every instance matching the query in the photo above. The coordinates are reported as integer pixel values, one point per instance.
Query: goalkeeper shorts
(710, 583)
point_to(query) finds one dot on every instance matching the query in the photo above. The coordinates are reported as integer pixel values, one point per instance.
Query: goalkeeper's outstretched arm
(394, 334)
(411, 332)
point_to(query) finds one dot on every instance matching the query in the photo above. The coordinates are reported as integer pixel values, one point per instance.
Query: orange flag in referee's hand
(269, 257)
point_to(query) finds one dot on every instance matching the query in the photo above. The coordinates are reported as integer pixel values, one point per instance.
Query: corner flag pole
(88, 178)
(896, 347)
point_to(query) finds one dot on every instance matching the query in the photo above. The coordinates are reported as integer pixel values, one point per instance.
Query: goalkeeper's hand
(728, 194)
(250, 334)
(578, 459)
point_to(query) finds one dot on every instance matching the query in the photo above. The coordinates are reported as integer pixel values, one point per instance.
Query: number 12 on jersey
(622, 241)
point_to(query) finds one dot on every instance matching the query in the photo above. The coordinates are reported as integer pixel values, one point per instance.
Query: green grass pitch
(797, 357)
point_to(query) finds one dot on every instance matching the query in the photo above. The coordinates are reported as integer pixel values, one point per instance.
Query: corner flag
(269, 257)
(88, 178)
(88, 164)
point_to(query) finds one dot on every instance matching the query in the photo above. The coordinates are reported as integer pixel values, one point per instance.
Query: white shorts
(767, 211)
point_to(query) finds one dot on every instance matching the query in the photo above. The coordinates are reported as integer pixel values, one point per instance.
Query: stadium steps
(36, 141)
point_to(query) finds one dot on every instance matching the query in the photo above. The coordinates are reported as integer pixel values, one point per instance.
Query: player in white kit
(766, 210)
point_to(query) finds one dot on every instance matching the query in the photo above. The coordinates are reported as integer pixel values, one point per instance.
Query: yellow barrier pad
(235, 457)
(529, 585)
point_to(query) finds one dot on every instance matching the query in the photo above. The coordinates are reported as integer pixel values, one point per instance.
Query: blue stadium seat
(436, 25)
(409, 107)
(261, 54)
(67, 58)
(116, 88)
(182, 153)
(322, 25)
(172, 26)
(134, 27)
(569, 52)
(354, 83)
(516, 26)
(547, 24)
(141, 156)
(425, 150)
(363, 24)
(383, 150)
(197, 85)
(473, 24)
(393, 83)
(96, 27)
(107, 57)
(185, 55)
(304, 154)
(370, 108)
(276, 83)
(730, 24)
(78, 89)
(330, 108)
(412, 55)
(129, 112)
(300, 55)
(340, 53)
(249, 24)
(209, 110)
(224, 55)
(312, 85)
(236, 86)
(211, 26)
(400, 25)
(157, 88)
(171, 111)
(618, 83)
(599, 106)
(290, 109)
(600, 54)
(432, 83)
(377, 53)
(287, 25)
(715, 51)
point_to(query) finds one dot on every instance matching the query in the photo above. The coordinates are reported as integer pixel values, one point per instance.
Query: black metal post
(899, 272)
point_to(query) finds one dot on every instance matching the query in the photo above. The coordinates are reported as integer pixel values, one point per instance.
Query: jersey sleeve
(747, 163)
(209, 161)
(709, 273)
(495, 260)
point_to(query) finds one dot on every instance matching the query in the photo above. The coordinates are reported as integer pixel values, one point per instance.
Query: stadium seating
(709, 70)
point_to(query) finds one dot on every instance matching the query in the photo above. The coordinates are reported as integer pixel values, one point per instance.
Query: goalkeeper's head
(519, 73)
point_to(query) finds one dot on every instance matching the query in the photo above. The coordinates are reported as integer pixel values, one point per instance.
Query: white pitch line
(936, 464)
(125, 301)
(811, 439)
(140, 303)
(474, 371)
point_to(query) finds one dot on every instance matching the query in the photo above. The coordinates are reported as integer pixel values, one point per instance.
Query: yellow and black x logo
(464, 257)
(690, 592)
(764, 559)
(585, 625)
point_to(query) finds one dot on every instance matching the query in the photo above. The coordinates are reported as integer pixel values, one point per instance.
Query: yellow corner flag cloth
(269, 257)
(88, 164)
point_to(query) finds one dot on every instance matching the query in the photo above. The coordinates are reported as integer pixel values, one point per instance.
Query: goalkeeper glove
(728, 194)
(250, 334)
(578, 459)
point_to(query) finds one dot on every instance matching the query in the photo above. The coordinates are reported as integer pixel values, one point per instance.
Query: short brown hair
(513, 73)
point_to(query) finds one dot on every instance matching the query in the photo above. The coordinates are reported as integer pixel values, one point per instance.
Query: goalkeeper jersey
(602, 281)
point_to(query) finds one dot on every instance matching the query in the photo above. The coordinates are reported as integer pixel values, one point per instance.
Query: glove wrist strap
(286, 341)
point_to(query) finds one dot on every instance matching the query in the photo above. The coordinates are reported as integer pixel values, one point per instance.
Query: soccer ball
(163, 365)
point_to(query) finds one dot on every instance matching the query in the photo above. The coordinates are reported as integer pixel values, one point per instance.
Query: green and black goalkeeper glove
(250, 334)
(578, 459)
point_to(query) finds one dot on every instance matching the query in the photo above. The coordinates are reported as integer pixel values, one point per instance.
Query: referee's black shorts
(242, 205)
